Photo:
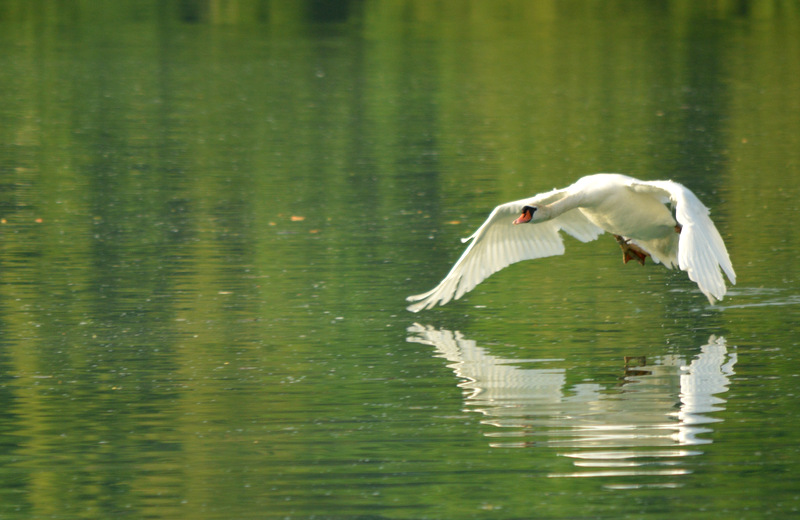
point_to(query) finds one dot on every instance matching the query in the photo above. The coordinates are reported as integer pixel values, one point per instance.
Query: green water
(211, 213)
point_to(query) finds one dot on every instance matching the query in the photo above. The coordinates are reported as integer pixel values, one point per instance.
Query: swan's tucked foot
(630, 251)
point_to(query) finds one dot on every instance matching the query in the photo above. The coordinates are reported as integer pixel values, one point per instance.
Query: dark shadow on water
(637, 433)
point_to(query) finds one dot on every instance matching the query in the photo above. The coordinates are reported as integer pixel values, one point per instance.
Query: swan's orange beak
(526, 216)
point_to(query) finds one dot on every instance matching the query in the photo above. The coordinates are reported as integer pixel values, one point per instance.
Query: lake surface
(211, 214)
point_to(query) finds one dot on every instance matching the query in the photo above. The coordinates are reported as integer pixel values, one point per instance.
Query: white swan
(633, 211)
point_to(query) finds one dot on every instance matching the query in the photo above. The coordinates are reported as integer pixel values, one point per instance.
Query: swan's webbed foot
(630, 250)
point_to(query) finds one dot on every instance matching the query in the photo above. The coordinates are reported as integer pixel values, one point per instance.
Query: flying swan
(633, 211)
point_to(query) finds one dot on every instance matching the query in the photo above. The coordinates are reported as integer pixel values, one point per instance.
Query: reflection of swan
(529, 404)
(633, 211)
(488, 379)
(706, 376)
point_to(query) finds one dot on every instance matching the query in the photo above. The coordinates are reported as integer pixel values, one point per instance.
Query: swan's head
(527, 215)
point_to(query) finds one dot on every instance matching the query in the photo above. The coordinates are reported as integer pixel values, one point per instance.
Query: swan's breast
(634, 215)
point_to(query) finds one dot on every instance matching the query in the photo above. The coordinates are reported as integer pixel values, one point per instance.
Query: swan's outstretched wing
(499, 243)
(701, 251)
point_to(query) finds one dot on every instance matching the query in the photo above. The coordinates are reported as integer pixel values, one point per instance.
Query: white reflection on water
(642, 427)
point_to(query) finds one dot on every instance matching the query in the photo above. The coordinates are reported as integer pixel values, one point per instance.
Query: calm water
(211, 213)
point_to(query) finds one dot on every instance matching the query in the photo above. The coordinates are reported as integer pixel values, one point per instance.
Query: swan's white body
(632, 209)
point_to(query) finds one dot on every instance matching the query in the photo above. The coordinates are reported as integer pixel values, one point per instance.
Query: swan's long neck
(560, 207)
